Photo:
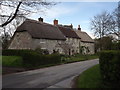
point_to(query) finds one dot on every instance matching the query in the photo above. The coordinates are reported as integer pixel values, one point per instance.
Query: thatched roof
(40, 30)
(84, 36)
(68, 32)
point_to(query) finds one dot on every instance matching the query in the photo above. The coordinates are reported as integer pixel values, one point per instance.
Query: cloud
(58, 11)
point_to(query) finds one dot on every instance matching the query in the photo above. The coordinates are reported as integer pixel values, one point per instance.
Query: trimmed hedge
(32, 58)
(35, 59)
(110, 67)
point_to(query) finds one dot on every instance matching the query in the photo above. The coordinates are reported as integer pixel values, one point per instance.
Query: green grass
(13, 61)
(90, 78)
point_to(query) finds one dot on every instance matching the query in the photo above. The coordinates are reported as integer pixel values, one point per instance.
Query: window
(43, 48)
(42, 42)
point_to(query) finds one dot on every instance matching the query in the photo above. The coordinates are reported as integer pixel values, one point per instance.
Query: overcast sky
(77, 13)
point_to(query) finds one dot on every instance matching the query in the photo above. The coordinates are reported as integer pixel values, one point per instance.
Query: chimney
(40, 19)
(71, 25)
(79, 27)
(55, 22)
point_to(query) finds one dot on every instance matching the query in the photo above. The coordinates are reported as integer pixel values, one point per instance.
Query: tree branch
(15, 14)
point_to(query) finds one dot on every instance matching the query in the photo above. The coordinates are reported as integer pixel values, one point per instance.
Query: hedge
(35, 59)
(32, 58)
(110, 67)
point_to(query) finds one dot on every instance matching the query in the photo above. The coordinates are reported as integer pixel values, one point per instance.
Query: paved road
(47, 77)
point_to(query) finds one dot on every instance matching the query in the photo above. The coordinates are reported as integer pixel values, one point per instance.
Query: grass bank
(91, 78)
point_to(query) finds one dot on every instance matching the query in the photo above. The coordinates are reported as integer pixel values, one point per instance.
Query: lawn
(13, 61)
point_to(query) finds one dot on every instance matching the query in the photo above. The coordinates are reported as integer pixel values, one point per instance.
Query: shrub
(54, 58)
(40, 51)
(110, 67)
(35, 59)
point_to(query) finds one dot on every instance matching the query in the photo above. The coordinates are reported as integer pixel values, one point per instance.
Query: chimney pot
(55, 22)
(79, 27)
(40, 19)
(71, 25)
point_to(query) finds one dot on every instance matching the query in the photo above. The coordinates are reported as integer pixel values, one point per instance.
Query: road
(46, 77)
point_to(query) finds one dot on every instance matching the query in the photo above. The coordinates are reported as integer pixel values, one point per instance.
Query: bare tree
(102, 24)
(116, 15)
(21, 8)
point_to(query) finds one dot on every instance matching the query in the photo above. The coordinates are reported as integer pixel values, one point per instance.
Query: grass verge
(90, 78)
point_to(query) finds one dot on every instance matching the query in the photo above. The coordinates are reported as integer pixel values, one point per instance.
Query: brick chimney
(55, 22)
(40, 19)
(79, 27)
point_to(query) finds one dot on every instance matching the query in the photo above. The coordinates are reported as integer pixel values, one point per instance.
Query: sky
(76, 13)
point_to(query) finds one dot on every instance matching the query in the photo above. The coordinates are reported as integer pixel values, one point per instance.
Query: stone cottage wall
(75, 44)
(50, 45)
(21, 40)
(90, 46)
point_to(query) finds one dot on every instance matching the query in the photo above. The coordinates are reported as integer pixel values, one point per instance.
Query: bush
(32, 58)
(40, 51)
(110, 67)
(53, 58)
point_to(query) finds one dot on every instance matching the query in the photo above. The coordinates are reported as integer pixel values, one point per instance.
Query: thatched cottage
(71, 45)
(37, 34)
(32, 34)
(87, 43)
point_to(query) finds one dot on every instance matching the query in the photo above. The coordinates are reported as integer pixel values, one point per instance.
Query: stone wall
(90, 47)
(21, 40)
(75, 45)
(50, 45)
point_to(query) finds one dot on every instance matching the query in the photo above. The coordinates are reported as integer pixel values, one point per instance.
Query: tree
(11, 27)
(102, 24)
(116, 15)
(105, 43)
(12, 14)
(21, 8)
